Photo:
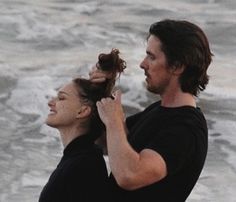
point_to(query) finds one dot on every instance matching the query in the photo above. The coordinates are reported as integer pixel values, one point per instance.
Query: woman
(81, 175)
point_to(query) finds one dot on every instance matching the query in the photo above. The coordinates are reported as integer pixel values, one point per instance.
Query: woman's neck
(69, 134)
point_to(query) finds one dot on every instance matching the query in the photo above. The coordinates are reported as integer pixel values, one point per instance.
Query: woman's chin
(50, 123)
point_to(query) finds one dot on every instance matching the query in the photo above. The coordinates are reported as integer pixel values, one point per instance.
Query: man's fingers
(117, 95)
(97, 80)
(97, 77)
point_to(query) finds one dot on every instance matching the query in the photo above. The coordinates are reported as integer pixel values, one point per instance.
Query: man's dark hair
(185, 46)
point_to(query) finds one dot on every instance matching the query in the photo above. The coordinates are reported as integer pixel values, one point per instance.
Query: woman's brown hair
(91, 92)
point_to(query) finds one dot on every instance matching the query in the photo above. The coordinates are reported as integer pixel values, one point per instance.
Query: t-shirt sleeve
(175, 145)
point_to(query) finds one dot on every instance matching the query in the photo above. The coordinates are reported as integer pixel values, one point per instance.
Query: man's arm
(131, 170)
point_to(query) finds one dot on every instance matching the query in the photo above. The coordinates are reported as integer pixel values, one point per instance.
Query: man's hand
(98, 76)
(110, 110)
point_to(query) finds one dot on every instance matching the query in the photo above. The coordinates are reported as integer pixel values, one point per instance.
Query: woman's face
(65, 107)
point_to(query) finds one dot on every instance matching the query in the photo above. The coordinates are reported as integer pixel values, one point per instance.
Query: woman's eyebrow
(63, 92)
(66, 93)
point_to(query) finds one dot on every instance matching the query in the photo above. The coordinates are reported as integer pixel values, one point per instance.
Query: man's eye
(151, 57)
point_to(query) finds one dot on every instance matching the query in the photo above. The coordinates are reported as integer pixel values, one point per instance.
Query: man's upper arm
(151, 169)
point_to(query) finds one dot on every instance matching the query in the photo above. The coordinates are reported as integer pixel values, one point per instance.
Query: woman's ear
(84, 112)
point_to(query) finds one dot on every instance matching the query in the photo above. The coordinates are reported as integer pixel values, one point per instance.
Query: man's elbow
(127, 182)
(130, 181)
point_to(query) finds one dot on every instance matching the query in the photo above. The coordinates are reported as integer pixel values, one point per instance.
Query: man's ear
(84, 112)
(177, 69)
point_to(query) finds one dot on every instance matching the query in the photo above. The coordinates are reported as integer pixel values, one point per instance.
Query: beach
(46, 43)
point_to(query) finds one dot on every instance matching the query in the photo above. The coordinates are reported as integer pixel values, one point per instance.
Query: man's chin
(152, 90)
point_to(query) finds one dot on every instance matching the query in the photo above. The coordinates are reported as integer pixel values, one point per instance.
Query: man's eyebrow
(149, 53)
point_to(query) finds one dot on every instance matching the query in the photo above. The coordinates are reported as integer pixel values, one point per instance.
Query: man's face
(155, 67)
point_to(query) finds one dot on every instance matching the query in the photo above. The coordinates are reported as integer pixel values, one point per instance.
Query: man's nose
(143, 64)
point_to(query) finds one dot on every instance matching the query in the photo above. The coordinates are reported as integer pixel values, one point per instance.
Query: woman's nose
(51, 102)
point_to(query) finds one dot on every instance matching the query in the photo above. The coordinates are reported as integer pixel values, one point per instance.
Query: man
(158, 154)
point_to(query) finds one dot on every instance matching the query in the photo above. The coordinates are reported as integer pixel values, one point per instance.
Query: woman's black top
(80, 176)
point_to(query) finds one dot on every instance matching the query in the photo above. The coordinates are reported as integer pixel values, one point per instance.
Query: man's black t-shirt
(180, 136)
(81, 175)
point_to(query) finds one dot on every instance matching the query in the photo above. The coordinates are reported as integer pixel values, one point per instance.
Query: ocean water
(44, 43)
